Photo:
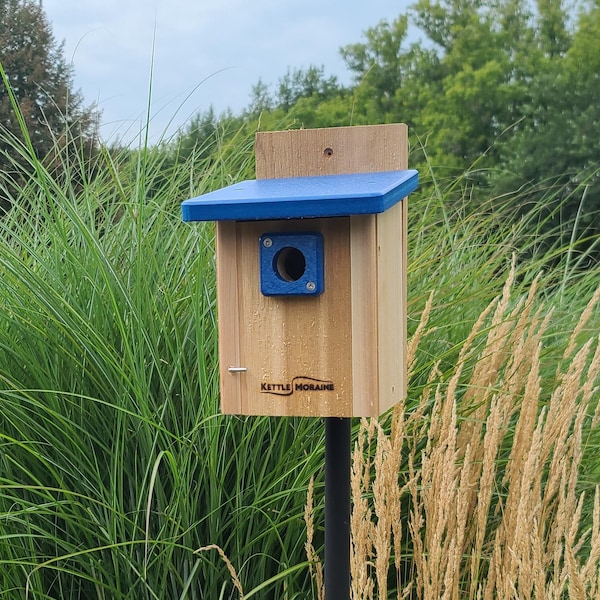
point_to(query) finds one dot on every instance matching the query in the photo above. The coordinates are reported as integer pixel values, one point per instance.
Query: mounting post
(337, 508)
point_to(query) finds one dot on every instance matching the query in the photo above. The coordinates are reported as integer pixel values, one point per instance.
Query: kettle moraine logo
(297, 384)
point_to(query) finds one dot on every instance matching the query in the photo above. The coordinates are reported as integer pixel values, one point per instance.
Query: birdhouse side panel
(392, 305)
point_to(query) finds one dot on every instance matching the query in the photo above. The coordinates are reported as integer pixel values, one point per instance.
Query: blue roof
(303, 197)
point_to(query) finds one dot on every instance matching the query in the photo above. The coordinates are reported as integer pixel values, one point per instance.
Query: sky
(194, 54)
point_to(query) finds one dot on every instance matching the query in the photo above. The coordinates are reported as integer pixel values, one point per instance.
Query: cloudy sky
(200, 52)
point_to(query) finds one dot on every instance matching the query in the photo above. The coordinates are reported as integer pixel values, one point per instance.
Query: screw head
(267, 242)
(311, 286)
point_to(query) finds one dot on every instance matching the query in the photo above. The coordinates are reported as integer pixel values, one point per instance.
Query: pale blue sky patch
(220, 47)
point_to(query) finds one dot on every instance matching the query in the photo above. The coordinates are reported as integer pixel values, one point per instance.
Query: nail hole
(328, 152)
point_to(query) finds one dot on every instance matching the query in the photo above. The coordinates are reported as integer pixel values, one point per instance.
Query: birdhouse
(311, 274)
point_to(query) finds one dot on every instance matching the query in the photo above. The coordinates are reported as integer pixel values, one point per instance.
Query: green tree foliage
(380, 65)
(462, 86)
(309, 83)
(557, 145)
(41, 84)
(505, 91)
(261, 99)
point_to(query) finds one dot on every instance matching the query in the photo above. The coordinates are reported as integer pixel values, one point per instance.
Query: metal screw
(267, 242)
(311, 286)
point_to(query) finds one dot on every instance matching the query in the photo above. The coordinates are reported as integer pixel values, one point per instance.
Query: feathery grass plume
(590, 570)
(590, 389)
(361, 525)
(438, 516)
(314, 563)
(420, 331)
(539, 539)
(396, 490)
(492, 468)
(384, 507)
(234, 576)
(586, 315)
(390, 462)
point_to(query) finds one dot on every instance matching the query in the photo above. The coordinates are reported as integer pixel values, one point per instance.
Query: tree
(260, 99)
(554, 155)
(379, 64)
(506, 91)
(306, 83)
(487, 56)
(41, 82)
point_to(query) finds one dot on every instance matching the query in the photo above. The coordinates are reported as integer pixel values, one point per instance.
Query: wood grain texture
(228, 316)
(353, 336)
(297, 339)
(392, 305)
(331, 151)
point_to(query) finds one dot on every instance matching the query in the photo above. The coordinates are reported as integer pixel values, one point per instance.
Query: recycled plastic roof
(303, 197)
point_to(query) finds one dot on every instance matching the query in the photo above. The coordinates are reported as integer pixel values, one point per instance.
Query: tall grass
(492, 500)
(484, 482)
(120, 479)
(115, 466)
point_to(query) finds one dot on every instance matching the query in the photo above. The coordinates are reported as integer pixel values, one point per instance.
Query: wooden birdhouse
(311, 274)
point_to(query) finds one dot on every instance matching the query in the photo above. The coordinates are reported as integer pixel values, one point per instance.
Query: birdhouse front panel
(284, 354)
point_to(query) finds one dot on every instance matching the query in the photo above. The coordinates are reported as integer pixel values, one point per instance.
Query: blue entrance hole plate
(291, 264)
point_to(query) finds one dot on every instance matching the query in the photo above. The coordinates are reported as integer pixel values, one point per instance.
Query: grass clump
(115, 466)
(483, 484)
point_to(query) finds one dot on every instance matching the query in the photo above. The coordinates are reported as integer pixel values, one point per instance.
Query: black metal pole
(337, 508)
